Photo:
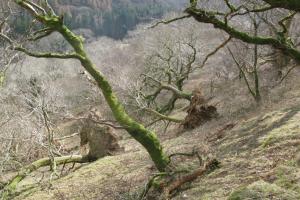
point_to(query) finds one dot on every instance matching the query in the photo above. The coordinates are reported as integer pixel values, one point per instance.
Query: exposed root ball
(199, 112)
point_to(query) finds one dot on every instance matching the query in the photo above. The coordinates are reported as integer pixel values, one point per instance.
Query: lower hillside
(258, 158)
(204, 105)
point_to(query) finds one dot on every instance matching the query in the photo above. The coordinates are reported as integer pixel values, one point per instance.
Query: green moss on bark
(145, 137)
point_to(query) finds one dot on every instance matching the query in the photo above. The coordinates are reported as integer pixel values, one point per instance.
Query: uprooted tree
(44, 23)
(265, 23)
(172, 61)
(167, 68)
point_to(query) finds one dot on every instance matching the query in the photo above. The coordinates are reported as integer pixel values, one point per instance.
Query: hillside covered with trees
(113, 18)
(149, 100)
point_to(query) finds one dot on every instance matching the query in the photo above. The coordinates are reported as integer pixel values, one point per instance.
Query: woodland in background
(112, 18)
(263, 35)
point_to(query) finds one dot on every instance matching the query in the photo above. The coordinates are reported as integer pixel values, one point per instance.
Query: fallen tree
(11, 185)
(199, 111)
(165, 185)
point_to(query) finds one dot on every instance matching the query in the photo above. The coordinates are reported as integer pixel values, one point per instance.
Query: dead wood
(219, 134)
(175, 185)
(199, 111)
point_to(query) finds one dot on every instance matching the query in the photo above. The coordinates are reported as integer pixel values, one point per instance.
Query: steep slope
(258, 159)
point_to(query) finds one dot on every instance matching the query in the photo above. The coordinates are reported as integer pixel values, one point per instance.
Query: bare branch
(163, 117)
(287, 73)
(170, 21)
(242, 72)
(47, 54)
(214, 52)
(102, 122)
(285, 20)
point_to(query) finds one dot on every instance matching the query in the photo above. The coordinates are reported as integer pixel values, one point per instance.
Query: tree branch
(215, 51)
(163, 117)
(278, 43)
(287, 4)
(12, 183)
(170, 21)
(47, 54)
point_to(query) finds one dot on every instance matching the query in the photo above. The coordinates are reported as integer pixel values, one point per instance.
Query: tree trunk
(12, 184)
(287, 4)
(146, 138)
(52, 22)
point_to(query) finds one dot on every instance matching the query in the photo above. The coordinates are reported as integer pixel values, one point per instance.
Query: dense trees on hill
(114, 20)
(111, 18)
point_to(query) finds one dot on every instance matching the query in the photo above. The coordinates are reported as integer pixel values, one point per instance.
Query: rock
(98, 141)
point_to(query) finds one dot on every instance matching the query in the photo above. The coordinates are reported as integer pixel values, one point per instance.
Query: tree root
(167, 184)
(176, 184)
(11, 185)
(192, 154)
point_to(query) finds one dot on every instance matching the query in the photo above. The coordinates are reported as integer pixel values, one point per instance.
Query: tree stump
(199, 112)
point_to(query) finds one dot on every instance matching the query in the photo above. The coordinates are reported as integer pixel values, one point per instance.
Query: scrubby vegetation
(203, 103)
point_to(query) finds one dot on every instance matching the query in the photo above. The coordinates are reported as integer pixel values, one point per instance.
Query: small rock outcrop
(87, 133)
(97, 141)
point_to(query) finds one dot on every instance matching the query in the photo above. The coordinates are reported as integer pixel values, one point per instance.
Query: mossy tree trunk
(52, 22)
(287, 4)
(279, 42)
(12, 184)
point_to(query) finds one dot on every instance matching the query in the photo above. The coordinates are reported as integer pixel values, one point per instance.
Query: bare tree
(223, 19)
(168, 68)
(46, 17)
(249, 71)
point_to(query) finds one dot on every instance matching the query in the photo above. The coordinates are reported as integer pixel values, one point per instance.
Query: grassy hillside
(258, 155)
(258, 145)
(258, 159)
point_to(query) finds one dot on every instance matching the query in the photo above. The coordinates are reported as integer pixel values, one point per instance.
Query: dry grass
(245, 160)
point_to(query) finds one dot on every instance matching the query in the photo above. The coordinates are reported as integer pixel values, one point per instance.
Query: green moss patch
(289, 130)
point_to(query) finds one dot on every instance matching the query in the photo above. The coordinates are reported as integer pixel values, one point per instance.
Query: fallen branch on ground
(221, 132)
(169, 182)
(193, 154)
(12, 183)
(207, 168)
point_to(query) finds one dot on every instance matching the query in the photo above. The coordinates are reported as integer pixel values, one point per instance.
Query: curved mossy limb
(12, 184)
(287, 4)
(146, 138)
(279, 43)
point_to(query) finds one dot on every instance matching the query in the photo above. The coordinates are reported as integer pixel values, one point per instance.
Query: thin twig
(170, 21)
